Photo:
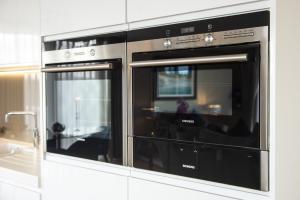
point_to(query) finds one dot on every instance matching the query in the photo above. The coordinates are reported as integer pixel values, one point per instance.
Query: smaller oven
(206, 95)
(199, 99)
(83, 86)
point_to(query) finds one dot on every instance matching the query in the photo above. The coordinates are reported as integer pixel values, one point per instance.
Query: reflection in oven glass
(215, 104)
(214, 92)
(83, 122)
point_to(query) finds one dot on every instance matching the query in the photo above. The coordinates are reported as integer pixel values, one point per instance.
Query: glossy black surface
(111, 38)
(249, 20)
(151, 154)
(211, 103)
(234, 166)
(84, 114)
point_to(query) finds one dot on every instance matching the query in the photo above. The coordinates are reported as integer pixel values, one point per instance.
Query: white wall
(288, 101)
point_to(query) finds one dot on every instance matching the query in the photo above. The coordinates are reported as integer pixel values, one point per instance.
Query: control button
(209, 38)
(167, 43)
(67, 54)
(92, 52)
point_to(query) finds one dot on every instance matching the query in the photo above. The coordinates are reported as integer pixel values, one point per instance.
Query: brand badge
(189, 166)
(188, 121)
(209, 27)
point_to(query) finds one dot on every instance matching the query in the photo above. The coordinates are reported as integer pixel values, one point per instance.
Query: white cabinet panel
(28, 32)
(141, 10)
(6, 192)
(63, 182)
(62, 16)
(10, 192)
(22, 194)
(19, 32)
(146, 190)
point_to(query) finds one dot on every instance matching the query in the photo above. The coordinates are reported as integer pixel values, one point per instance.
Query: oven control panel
(209, 39)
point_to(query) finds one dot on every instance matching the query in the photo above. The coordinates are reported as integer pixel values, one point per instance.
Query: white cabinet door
(28, 33)
(6, 192)
(19, 32)
(146, 190)
(10, 192)
(61, 16)
(63, 182)
(22, 194)
(140, 10)
(8, 24)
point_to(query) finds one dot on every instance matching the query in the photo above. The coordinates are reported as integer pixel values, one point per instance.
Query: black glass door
(228, 165)
(151, 154)
(234, 166)
(213, 103)
(84, 114)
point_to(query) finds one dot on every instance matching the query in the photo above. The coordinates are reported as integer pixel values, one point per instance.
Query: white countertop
(21, 168)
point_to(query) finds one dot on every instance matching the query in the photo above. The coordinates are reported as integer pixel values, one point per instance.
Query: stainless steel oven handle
(81, 68)
(194, 60)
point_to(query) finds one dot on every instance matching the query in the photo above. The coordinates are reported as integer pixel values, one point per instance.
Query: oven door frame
(97, 68)
(260, 35)
(100, 53)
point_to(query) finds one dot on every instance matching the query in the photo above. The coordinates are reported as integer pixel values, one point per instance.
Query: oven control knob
(67, 54)
(167, 43)
(209, 38)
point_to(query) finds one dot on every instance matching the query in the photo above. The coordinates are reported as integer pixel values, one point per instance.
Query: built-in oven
(84, 90)
(199, 99)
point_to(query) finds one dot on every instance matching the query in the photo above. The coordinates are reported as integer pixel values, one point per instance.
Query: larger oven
(199, 99)
(84, 89)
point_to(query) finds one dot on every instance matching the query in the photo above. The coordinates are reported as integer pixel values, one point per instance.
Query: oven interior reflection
(84, 120)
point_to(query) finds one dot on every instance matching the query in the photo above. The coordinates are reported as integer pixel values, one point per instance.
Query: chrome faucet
(35, 129)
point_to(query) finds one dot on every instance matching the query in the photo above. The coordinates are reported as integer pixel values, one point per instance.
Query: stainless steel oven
(84, 87)
(198, 100)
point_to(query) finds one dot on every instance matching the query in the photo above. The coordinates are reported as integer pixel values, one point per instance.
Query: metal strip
(130, 152)
(81, 68)
(264, 171)
(102, 52)
(196, 60)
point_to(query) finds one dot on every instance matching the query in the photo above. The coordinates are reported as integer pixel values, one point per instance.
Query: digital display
(186, 30)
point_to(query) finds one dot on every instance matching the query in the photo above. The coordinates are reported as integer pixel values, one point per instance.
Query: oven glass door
(84, 110)
(214, 101)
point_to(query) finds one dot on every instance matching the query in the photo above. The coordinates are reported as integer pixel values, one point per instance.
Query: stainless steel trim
(196, 60)
(101, 52)
(184, 42)
(130, 152)
(124, 100)
(81, 68)
(264, 95)
(264, 170)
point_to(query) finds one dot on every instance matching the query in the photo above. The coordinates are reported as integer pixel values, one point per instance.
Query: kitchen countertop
(22, 167)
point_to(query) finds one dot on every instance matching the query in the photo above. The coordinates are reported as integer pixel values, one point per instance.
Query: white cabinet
(63, 182)
(147, 190)
(11, 192)
(141, 10)
(62, 16)
(19, 32)
(6, 192)
(22, 194)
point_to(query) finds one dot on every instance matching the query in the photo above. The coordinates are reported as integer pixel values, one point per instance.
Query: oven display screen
(186, 30)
